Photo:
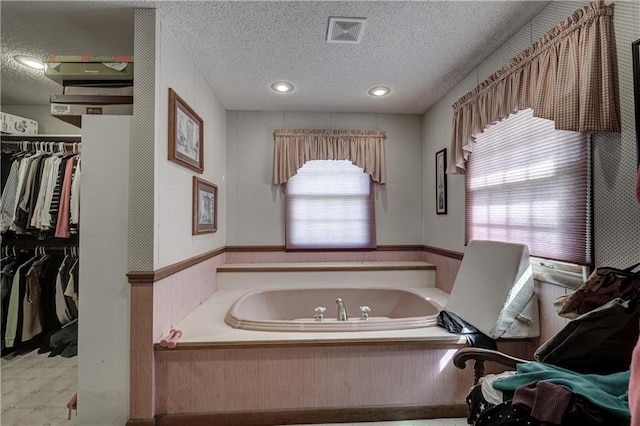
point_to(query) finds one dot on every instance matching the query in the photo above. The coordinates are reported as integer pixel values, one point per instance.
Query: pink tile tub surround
(447, 269)
(175, 296)
(293, 309)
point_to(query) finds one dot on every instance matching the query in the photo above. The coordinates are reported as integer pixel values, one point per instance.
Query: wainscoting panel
(241, 379)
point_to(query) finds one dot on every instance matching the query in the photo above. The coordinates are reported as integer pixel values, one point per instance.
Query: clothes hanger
(5, 254)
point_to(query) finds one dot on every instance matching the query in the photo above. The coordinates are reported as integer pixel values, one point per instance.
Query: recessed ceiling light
(282, 87)
(379, 91)
(29, 61)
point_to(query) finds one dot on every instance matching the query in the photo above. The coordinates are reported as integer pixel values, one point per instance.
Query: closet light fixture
(379, 91)
(282, 87)
(29, 61)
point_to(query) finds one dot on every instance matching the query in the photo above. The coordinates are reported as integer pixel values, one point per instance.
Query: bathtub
(293, 310)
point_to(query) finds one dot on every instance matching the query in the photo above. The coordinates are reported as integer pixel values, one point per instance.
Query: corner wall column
(142, 216)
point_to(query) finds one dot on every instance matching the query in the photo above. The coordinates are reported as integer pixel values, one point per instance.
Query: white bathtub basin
(290, 309)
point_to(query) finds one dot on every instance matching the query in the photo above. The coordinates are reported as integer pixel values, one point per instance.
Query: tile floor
(36, 389)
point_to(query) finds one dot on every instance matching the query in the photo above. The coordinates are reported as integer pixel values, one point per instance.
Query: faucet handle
(364, 310)
(319, 313)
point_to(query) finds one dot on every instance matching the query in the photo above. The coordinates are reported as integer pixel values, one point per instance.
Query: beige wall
(255, 207)
(173, 182)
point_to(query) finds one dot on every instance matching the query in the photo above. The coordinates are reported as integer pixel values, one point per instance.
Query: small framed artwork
(186, 130)
(441, 181)
(205, 207)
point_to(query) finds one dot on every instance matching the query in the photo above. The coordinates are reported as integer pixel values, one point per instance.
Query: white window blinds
(529, 183)
(329, 204)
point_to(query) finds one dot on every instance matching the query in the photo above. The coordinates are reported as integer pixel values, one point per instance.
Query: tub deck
(205, 325)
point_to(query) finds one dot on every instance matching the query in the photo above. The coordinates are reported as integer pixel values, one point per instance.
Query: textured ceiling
(421, 49)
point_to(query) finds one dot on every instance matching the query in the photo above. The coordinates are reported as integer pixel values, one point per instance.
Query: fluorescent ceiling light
(29, 61)
(379, 91)
(282, 86)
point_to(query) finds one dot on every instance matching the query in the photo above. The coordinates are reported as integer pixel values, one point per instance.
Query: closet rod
(41, 145)
(41, 138)
(9, 249)
(28, 243)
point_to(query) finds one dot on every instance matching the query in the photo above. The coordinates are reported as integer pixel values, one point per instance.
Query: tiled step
(378, 274)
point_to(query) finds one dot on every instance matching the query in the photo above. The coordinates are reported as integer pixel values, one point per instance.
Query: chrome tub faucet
(342, 310)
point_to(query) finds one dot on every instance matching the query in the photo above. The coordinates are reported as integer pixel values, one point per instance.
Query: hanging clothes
(34, 300)
(37, 186)
(39, 207)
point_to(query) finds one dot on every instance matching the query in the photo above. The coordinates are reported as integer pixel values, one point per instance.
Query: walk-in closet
(40, 285)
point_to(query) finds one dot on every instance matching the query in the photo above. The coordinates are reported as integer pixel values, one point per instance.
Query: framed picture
(635, 46)
(205, 207)
(441, 181)
(186, 130)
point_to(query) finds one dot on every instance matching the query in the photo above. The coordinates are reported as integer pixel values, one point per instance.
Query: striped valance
(569, 76)
(294, 147)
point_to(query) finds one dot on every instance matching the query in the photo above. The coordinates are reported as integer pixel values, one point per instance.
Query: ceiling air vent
(345, 30)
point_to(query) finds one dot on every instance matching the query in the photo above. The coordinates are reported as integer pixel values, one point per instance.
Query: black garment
(22, 215)
(477, 404)
(5, 167)
(506, 414)
(578, 412)
(65, 341)
(454, 324)
(48, 292)
(23, 290)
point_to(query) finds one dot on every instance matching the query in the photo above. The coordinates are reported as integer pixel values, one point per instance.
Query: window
(529, 183)
(329, 204)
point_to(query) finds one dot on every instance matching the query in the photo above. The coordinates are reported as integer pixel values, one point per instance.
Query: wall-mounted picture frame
(186, 134)
(441, 181)
(635, 56)
(205, 207)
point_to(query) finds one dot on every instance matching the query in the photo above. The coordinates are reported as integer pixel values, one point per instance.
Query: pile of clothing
(581, 375)
(543, 394)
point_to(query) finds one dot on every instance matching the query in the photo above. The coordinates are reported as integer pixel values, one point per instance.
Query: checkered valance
(569, 76)
(294, 147)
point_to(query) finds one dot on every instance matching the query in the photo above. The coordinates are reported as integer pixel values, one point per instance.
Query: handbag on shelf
(603, 285)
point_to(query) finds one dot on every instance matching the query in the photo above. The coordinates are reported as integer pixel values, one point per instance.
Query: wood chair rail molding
(443, 252)
(149, 277)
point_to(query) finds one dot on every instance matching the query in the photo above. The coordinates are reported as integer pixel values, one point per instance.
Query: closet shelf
(90, 99)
